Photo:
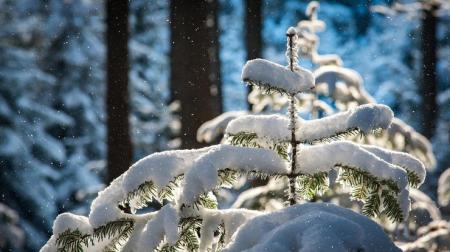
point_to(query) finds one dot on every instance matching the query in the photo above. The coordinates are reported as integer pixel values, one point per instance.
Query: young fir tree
(184, 182)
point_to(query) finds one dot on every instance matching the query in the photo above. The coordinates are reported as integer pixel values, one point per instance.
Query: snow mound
(311, 227)
(268, 74)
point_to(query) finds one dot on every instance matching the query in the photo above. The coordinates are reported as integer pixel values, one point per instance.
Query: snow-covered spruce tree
(184, 181)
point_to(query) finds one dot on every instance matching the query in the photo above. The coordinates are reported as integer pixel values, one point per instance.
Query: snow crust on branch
(64, 222)
(105, 208)
(159, 168)
(365, 118)
(267, 74)
(311, 227)
(323, 158)
(275, 127)
(203, 176)
(402, 159)
(71, 221)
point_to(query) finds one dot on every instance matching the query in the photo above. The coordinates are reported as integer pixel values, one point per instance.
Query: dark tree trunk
(195, 66)
(119, 142)
(428, 84)
(253, 32)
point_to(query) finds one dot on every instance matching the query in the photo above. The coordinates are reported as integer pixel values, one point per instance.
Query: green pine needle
(308, 186)
(75, 241)
(372, 191)
(250, 139)
(413, 179)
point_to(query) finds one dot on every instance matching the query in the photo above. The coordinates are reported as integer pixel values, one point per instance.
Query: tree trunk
(195, 66)
(428, 85)
(118, 142)
(253, 33)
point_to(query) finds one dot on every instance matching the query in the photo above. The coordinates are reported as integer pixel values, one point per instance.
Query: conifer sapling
(183, 182)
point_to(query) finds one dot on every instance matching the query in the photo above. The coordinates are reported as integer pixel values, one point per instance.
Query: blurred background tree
(117, 99)
(194, 65)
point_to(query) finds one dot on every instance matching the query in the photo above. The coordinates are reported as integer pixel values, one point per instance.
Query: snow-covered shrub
(311, 227)
(184, 182)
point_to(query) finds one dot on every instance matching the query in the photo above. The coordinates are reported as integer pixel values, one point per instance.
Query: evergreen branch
(75, 241)
(144, 194)
(266, 88)
(69, 241)
(372, 204)
(372, 191)
(390, 206)
(206, 200)
(245, 139)
(250, 139)
(311, 185)
(168, 190)
(337, 136)
(351, 132)
(413, 178)
(189, 238)
(117, 228)
(227, 177)
(148, 191)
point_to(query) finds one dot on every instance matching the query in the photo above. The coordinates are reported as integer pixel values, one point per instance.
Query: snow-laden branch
(402, 159)
(269, 75)
(65, 222)
(365, 119)
(204, 174)
(311, 227)
(326, 157)
(159, 169)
